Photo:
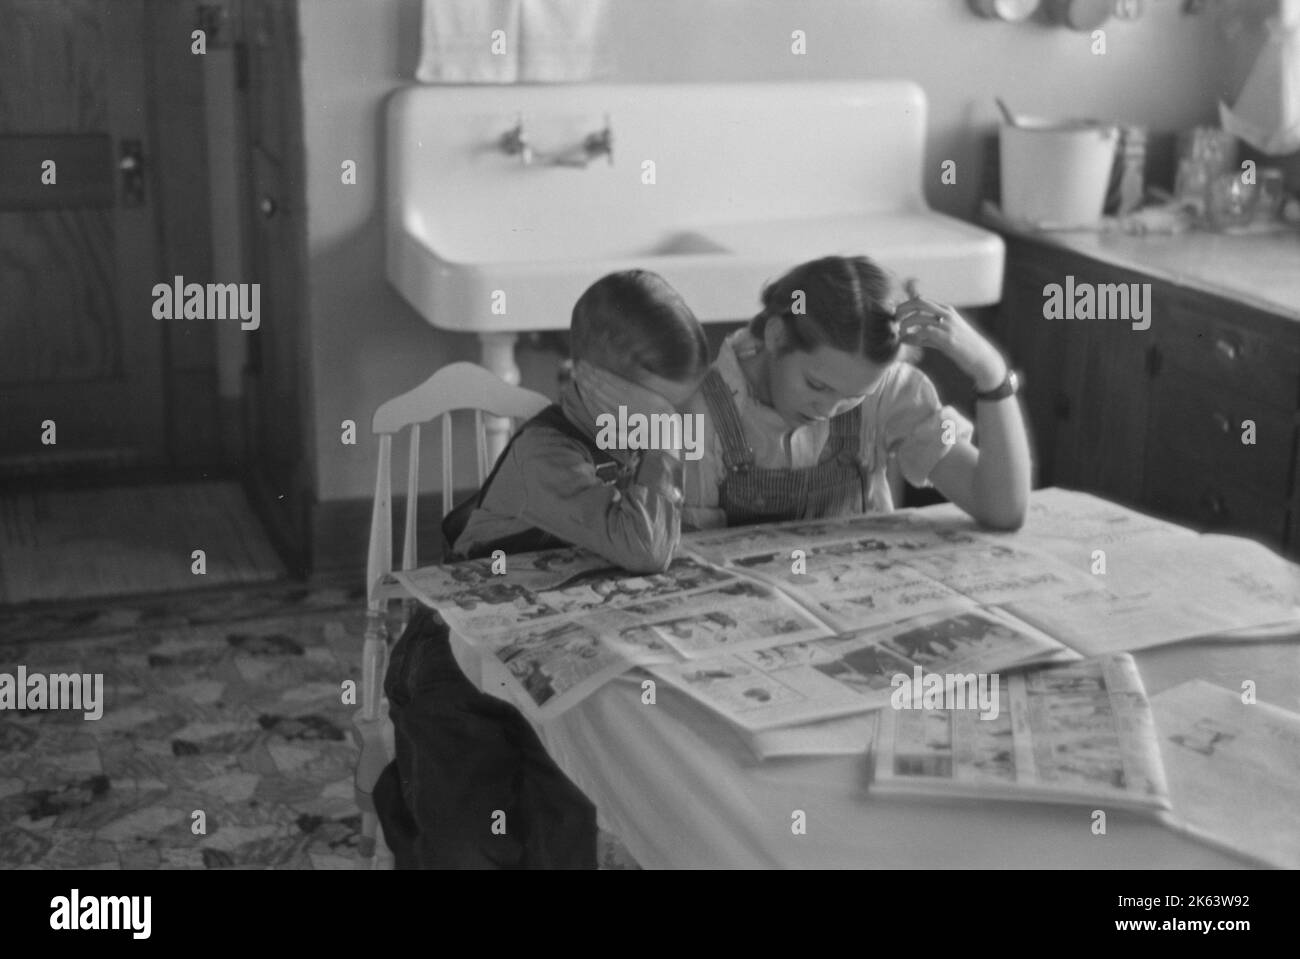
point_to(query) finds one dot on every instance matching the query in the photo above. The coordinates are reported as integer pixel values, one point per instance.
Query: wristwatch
(1009, 387)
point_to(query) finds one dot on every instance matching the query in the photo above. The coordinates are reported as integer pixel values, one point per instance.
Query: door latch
(130, 161)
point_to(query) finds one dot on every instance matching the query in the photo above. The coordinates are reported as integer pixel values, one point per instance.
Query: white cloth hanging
(510, 41)
(460, 42)
(564, 41)
(1267, 114)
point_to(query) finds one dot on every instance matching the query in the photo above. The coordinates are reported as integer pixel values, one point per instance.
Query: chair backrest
(456, 386)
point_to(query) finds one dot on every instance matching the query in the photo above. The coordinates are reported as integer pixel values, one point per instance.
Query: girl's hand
(605, 392)
(923, 322)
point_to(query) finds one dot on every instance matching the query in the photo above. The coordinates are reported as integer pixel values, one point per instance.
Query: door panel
(84, 163)
(81, 346)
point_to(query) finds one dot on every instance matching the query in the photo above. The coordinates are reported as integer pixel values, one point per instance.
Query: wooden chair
(454, 387)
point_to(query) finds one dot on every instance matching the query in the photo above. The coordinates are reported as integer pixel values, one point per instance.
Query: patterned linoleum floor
(228, 704)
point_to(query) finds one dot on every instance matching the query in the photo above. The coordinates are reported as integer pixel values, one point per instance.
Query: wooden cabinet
(1196, 418)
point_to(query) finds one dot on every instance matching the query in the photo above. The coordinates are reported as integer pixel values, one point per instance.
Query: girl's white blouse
(902, 420)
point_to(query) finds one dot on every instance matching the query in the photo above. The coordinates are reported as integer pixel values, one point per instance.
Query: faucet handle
(515, 143)
(602, 142)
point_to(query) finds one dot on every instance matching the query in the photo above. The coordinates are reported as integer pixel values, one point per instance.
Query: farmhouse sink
(719, 188)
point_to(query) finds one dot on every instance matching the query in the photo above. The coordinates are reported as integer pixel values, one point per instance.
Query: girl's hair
(845, 305)
(633, 323)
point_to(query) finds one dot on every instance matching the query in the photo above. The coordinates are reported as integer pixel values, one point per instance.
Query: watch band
(1008, 387)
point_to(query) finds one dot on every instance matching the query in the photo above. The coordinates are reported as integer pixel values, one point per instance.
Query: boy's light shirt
(902, 420)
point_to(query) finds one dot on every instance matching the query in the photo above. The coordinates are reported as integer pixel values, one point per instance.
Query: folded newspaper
(1234, 770)
(782, 625)
(1080, 732)
(855, 672)
(563, 622)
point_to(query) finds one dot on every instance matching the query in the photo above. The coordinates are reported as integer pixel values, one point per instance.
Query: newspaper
(436, 585)
(885, 534)
(738, 616)
(874, 579)
(557, 665)
(850, 589)
(997, 573)
(604, 589)
(1157, 590)
(817, 679)
(1081, 732)
(758, 598)
(1075, 518)
(541, 587)
(1234, 770)
(555, 661)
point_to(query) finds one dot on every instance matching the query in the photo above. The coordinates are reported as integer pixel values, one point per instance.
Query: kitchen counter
(1259, 269)
(1194, 416)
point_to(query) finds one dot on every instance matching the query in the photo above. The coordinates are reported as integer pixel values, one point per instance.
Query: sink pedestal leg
(499, 357)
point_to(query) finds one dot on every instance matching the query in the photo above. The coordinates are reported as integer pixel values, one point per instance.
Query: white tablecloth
(682, 790)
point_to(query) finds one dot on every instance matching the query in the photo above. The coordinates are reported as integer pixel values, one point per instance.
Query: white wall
(1165, 71)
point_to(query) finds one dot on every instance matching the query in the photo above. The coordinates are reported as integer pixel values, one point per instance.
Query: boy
(464, 757)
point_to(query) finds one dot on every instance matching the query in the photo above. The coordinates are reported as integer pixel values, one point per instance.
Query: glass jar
(1272, 194)
(1230, 202)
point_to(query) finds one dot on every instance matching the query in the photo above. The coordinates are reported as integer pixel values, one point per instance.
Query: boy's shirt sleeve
(549, 481)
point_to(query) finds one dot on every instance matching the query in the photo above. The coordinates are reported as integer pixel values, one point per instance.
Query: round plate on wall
(1011, 10)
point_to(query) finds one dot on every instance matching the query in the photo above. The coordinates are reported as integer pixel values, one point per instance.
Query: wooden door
(79, 346)
(275, 393)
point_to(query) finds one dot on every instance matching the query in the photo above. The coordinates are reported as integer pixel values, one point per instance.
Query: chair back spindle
(456, 386)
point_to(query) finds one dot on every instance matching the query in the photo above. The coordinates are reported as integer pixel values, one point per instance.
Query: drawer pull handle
(1225, 348)
(1221, 422)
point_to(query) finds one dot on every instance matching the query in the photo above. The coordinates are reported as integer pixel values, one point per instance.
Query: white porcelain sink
(749, 180)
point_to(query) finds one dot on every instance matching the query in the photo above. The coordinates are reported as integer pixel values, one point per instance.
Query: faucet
(581, 154)
(598, 143)
(514, 143)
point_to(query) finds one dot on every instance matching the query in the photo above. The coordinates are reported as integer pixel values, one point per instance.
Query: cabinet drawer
(1193, 493)
(1206, 337)
(1199, 424)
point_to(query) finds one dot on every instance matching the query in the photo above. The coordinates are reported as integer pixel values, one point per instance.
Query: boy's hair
(632, 323)
(846, 305)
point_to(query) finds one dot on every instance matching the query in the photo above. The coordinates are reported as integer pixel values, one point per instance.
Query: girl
(465, 758)
(808, 405)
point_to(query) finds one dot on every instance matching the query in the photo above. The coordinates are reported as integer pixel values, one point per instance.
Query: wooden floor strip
(78, 543)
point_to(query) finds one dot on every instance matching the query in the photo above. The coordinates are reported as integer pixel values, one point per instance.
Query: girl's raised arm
(991, 483)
